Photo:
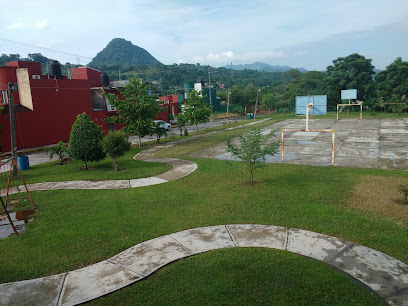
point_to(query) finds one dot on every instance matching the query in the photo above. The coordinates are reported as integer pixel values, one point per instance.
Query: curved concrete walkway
(180, 169)
(386, 276)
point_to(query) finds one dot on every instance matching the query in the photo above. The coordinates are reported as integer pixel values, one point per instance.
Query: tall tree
(85, 140)
(196, 110)
(351, 72)
(393, 81)
(136, 108)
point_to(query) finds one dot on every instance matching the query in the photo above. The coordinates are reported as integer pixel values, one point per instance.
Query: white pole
(332, 146)
(256, 103)
(228, 102)
(283, 148)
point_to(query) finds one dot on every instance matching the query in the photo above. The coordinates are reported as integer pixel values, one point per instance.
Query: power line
(43, 48)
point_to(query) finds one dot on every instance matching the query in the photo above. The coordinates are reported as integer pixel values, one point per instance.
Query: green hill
(264, 67)
(120, 52)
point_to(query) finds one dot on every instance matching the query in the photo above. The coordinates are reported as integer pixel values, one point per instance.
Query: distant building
(47, 105)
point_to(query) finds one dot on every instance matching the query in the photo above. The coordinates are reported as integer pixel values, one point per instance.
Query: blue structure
(319, 105)
(349, 94)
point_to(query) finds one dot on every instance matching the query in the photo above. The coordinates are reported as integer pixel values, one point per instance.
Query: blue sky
(298, 33)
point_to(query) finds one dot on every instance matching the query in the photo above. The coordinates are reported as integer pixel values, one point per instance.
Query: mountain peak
(120, 51)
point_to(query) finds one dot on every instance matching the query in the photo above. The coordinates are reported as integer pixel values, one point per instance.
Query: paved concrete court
(384, 275)
(367, 143)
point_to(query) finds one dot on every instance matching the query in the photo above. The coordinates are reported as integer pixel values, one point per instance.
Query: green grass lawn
(103, 170)
(75, 228)
(252, 276)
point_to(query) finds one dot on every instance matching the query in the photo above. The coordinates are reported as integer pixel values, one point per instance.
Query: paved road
(39, 157)
(191, 129)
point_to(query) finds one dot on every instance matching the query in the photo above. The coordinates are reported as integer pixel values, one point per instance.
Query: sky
(299, 33)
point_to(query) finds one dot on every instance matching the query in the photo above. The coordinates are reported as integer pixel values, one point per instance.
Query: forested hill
(264, 67)
(122, 52)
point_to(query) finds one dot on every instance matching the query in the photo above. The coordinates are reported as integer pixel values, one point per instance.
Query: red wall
(56, 104)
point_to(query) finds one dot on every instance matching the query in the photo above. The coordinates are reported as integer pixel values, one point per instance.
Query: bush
(60, 150)
(85, 141)
(115, 144)
(404, 190)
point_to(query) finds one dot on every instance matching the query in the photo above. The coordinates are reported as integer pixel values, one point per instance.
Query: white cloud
(21, 24)
(220, 57)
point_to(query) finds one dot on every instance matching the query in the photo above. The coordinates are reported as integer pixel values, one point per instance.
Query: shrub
(85, 141)
(115, 144)
(404, 190)
(60, 150)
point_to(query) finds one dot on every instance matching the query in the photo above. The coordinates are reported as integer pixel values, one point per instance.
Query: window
(36, 77)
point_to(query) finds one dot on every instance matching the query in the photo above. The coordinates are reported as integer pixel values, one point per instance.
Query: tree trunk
(115, 165)
(140, 141)
(86, 165)
(196, 128)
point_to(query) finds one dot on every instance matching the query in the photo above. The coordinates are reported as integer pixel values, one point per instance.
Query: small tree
(398, 108)
(85, 141)
(136, 108)
(196, 110)
(252, 149)
(159, 130)
(181, 123)
(115, 144)
(60, 150)
(404, 190)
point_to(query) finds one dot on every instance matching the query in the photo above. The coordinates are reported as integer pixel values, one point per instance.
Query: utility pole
(256, 103)
(209, 86)
(12, 87)
(228, 102)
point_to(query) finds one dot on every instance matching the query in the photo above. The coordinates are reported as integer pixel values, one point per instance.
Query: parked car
(163, 124)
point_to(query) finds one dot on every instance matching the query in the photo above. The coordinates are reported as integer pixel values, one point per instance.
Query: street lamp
(228, 102)
(209, 86)
(256, 103)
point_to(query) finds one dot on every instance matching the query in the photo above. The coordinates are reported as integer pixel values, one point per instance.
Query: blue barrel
(23, 163)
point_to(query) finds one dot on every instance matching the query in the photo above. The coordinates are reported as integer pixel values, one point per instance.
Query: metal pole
(361, 111)
(209, 86)
(228, 102)
(307, 117)
(332, 146)
(12, 129)
(256, 103)
(337, 113)
(283, 148)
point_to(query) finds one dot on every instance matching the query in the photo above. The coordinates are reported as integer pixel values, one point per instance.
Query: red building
(47, 106)
(172, 103)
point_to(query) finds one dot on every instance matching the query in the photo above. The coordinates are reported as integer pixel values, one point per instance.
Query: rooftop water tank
(55, 70)
(105, 79)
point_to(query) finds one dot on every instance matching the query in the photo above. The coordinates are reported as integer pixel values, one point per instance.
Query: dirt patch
(380, 194)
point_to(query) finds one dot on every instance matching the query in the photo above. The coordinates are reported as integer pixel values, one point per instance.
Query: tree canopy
(115, 144)
(85, 140)
(351, 72)
(136, 108)
(393, 81)
(196, 109)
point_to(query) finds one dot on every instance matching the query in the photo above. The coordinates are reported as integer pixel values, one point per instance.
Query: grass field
(103, 170)
(75, 228)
